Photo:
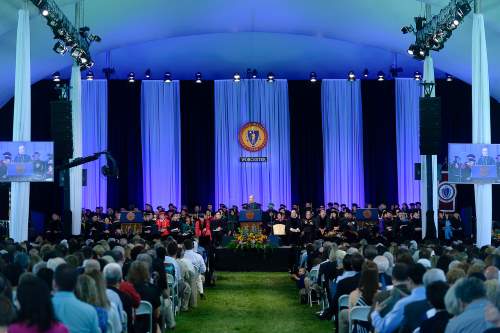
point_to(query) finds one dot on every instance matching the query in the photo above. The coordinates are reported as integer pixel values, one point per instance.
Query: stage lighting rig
(313, 77)
(67, 35)
(432, 34)
(351, 77)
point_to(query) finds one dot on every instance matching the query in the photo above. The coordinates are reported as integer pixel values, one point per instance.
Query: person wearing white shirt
(199, 264)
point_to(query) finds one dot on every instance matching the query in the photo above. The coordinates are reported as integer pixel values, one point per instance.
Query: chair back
(313, 275)
(343, 302)
(169, 268)
(358, 313)
(146, 309)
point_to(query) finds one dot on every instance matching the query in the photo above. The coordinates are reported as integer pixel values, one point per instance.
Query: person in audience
(36, 312)
(383, 266)
(200, 268)
(184, 288)
(139, 276)
(471, 295)
(77, 316)
(112, 273)
(399, 290)
(392, 320)
(362, 296)
(7, 313)
(491, 273)
(435, 293)
(86, 291)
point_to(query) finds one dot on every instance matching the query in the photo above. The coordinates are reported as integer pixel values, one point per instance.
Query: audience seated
(437, 323)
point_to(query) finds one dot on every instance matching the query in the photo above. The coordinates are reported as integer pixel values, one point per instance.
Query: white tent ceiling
(219, 37)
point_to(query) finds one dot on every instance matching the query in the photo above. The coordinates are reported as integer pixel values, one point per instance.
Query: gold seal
(252, 136)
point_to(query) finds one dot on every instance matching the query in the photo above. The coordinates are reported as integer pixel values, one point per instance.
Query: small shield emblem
(253, 136)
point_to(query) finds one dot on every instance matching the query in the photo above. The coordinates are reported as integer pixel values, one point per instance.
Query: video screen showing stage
(473, 163)
(26, 161)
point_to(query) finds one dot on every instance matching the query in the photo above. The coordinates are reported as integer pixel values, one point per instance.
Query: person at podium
(252, 205)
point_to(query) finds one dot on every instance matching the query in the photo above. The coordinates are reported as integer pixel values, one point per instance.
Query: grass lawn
(252, 303)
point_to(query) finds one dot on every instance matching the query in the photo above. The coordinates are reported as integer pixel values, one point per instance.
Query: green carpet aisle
(254, 302)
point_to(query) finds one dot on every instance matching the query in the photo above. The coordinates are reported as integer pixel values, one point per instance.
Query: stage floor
(271, 260)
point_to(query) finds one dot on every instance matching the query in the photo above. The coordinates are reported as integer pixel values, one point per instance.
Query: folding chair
(358, 313)
(146, 309)
(313, 278)
(174, 292)
(343, 303)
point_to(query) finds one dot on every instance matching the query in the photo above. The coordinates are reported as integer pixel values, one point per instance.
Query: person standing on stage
(22, 157)
(217, 229)
(308, 228)
(293, 229)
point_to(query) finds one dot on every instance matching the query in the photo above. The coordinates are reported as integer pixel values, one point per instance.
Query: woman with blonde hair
(114, 317)
(86, 291)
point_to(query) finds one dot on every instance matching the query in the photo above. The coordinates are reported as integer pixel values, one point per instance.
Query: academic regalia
(291, 231)
(309, 230)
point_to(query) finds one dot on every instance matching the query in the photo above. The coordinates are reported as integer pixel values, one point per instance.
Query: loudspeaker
(62, 130)
(418, 171)
(430, 125)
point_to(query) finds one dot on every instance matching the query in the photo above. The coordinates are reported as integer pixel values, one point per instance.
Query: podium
(131, 222)
(251, 220)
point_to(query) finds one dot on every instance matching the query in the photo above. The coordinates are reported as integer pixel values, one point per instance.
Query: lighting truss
(68, 37)
(436, 31)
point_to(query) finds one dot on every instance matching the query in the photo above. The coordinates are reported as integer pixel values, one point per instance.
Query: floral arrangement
(245, 239)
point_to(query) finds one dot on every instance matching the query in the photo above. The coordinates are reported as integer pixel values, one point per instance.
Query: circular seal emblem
(447, 192)
(367, 214)
(252, 136)
(250, 215)
(130, 216)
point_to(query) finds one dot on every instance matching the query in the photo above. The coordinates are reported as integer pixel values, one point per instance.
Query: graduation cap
(7, 155)
(330, 204)
(282, 206)
(234, 207)
(271, 205)
(471, 157)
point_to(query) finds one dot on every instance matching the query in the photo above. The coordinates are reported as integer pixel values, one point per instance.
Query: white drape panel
(20, 192)
(342, 123)
(429, 77)
(95, 139)
(161, 142)
(75, 174)
(408, 92)
(481, 126)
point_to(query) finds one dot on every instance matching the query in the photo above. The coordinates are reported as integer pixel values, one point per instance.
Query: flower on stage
(246, 239)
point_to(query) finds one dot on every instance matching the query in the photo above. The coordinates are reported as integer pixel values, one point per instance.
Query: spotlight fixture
(433, 34)
(147, 75)
(254, 74)
(56, 77)
(197, 78)
(90, 75)
(351, 76)
(365, 73)
(60, 47)
(380, 76)
(417, 76)
(167, 77)
(131, 77)
(270, 77)
(236, 77)
(449, 77)
(407, 29)
(313, 77)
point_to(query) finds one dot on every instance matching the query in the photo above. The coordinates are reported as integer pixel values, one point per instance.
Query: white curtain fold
(75, 174)
(95, 139)
(429, 77)
(408, 92)
(481, 125)
(342, 124)
(20, 192)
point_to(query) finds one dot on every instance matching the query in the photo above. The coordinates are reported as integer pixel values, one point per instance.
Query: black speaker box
(430, 125)
(62, 130)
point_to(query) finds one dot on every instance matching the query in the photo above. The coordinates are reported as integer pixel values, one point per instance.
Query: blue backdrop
(95, 139)
(408, 92)
(342, 121)
(161, 142)
(237, 103)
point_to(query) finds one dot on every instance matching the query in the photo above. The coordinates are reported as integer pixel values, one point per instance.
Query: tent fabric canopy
(290, 38)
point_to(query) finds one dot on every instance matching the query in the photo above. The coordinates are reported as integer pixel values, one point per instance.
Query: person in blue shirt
(392, 320)
(77, 316)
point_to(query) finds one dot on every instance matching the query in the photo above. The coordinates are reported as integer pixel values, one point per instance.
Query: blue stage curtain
(95, 139)
(161, 142)
(342, 121)
(408, 92)
(237, 103)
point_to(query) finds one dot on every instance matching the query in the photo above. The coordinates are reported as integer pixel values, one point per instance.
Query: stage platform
(271, 260)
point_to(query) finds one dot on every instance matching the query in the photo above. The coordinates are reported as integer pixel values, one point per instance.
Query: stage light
(407, 29)
(313, 77)
(90, 76)
(351, 76)
(417, 76)
(449, 77)
(254, 74)
(147, 75)
(270, 77)
(198, 78)
(365, 73)
(167, 78)
(380, 76)
(236, 77)
(131, 77)
(56, 77)
(60, 48)
(45, 12)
